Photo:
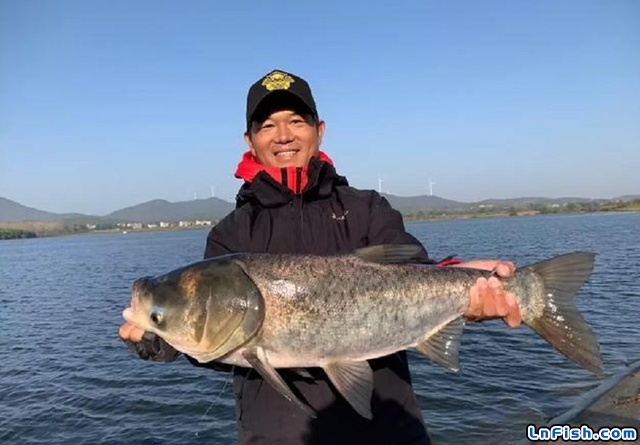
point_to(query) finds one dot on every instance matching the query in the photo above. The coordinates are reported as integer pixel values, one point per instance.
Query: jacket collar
(273, 186)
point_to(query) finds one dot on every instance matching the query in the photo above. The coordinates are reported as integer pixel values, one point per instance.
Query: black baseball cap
(277, 85)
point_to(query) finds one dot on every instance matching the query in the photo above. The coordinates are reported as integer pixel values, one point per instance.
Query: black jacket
(328, 217)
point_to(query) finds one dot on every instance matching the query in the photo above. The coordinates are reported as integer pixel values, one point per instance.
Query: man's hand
(129, 332)
(487, 298)
(147, 345)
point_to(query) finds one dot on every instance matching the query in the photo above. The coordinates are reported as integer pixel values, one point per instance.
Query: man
(293, 201)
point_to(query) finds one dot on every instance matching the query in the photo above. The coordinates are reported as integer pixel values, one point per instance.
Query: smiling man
(283, 129)
(293, 201)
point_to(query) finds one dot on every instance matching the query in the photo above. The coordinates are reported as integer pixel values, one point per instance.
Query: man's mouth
(286, 154)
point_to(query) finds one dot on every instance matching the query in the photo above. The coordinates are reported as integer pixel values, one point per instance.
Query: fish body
(347, 308)
(336, 312)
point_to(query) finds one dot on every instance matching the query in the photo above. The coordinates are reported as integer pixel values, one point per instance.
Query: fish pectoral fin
(257, 358)
(354, 380)
(389, 253)
(443, 346)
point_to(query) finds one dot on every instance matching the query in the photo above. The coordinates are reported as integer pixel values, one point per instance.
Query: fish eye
(157, 317)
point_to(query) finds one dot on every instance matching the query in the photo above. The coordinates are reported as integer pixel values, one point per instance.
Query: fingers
(491, 304)
(474, 311)
(513, 317)
(505, 269)
(124, 330)
(136, 334)
(488, 300)
(496, 304)
(129, 332)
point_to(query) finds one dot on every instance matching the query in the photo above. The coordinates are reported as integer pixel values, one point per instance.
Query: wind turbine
(431, 184)
(380, 181)
(213, 192)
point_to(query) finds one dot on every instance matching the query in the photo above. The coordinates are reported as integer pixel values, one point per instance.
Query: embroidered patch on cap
(277, 81)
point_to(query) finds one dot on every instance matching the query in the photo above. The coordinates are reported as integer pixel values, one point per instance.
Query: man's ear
(321, 128)
(247, 139)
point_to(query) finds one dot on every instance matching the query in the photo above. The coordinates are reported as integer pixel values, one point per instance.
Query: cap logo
(277, 81)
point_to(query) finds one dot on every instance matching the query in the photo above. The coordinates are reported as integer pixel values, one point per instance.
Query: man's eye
(264, 126)
(297, 121)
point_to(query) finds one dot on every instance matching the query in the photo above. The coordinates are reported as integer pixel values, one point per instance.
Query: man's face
(285, 139)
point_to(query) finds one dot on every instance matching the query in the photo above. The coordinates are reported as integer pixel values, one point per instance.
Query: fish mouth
(129, 314)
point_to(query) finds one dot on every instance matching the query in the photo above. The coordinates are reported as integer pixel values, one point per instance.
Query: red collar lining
(295, 178)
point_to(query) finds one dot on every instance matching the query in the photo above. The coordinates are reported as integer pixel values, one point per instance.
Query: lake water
(66, 378)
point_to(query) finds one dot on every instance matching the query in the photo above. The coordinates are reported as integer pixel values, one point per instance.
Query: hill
(413, 204)
(215, 209)
(427, 203)
(529, 201)
(162, 210)
(12, 211)
(627, 198)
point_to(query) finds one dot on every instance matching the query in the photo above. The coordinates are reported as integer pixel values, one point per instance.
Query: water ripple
(65, 378)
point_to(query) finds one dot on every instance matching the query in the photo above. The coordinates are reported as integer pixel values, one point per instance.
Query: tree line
(15, 233)
(529, 209)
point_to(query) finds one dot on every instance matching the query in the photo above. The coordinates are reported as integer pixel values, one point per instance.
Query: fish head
(157, 306)
(205, 310)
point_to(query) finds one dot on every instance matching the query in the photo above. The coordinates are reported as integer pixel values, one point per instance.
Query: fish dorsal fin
(443, 346)
(389, 253)
(354, 380)
(257, 358)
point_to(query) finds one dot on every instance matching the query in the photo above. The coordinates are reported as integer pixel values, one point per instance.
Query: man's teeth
(286, 153)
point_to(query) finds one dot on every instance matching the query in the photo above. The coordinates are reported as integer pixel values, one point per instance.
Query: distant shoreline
(157, 229)
(450, 217)
(11, 233)
(32, 227)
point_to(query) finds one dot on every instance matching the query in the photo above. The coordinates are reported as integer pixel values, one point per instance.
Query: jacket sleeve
(386, 227)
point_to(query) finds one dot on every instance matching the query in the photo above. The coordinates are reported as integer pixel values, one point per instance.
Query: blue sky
(105, 104)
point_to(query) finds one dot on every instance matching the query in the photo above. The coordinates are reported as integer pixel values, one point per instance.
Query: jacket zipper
(298, 180)
(301, 198)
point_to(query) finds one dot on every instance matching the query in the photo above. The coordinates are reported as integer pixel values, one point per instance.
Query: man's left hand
(487, 298)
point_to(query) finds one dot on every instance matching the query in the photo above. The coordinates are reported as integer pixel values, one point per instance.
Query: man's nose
(284, 134)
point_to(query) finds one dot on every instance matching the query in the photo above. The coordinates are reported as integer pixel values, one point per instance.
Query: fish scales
(335, 306)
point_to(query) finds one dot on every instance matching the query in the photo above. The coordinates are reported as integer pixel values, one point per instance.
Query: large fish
(336, 312)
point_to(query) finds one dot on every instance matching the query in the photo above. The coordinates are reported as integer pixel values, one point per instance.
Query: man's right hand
(147, 345)
(130, 332)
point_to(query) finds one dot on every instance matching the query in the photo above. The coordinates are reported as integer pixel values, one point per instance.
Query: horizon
(383, 193)
(106, 105)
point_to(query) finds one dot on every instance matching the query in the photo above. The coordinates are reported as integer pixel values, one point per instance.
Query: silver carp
(271, 311)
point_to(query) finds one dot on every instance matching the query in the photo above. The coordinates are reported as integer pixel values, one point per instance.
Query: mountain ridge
(212, 208)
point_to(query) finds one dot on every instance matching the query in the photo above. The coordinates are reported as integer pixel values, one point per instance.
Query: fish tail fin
(561, 324)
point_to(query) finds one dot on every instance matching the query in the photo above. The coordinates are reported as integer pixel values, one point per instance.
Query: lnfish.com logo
(583, 432)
